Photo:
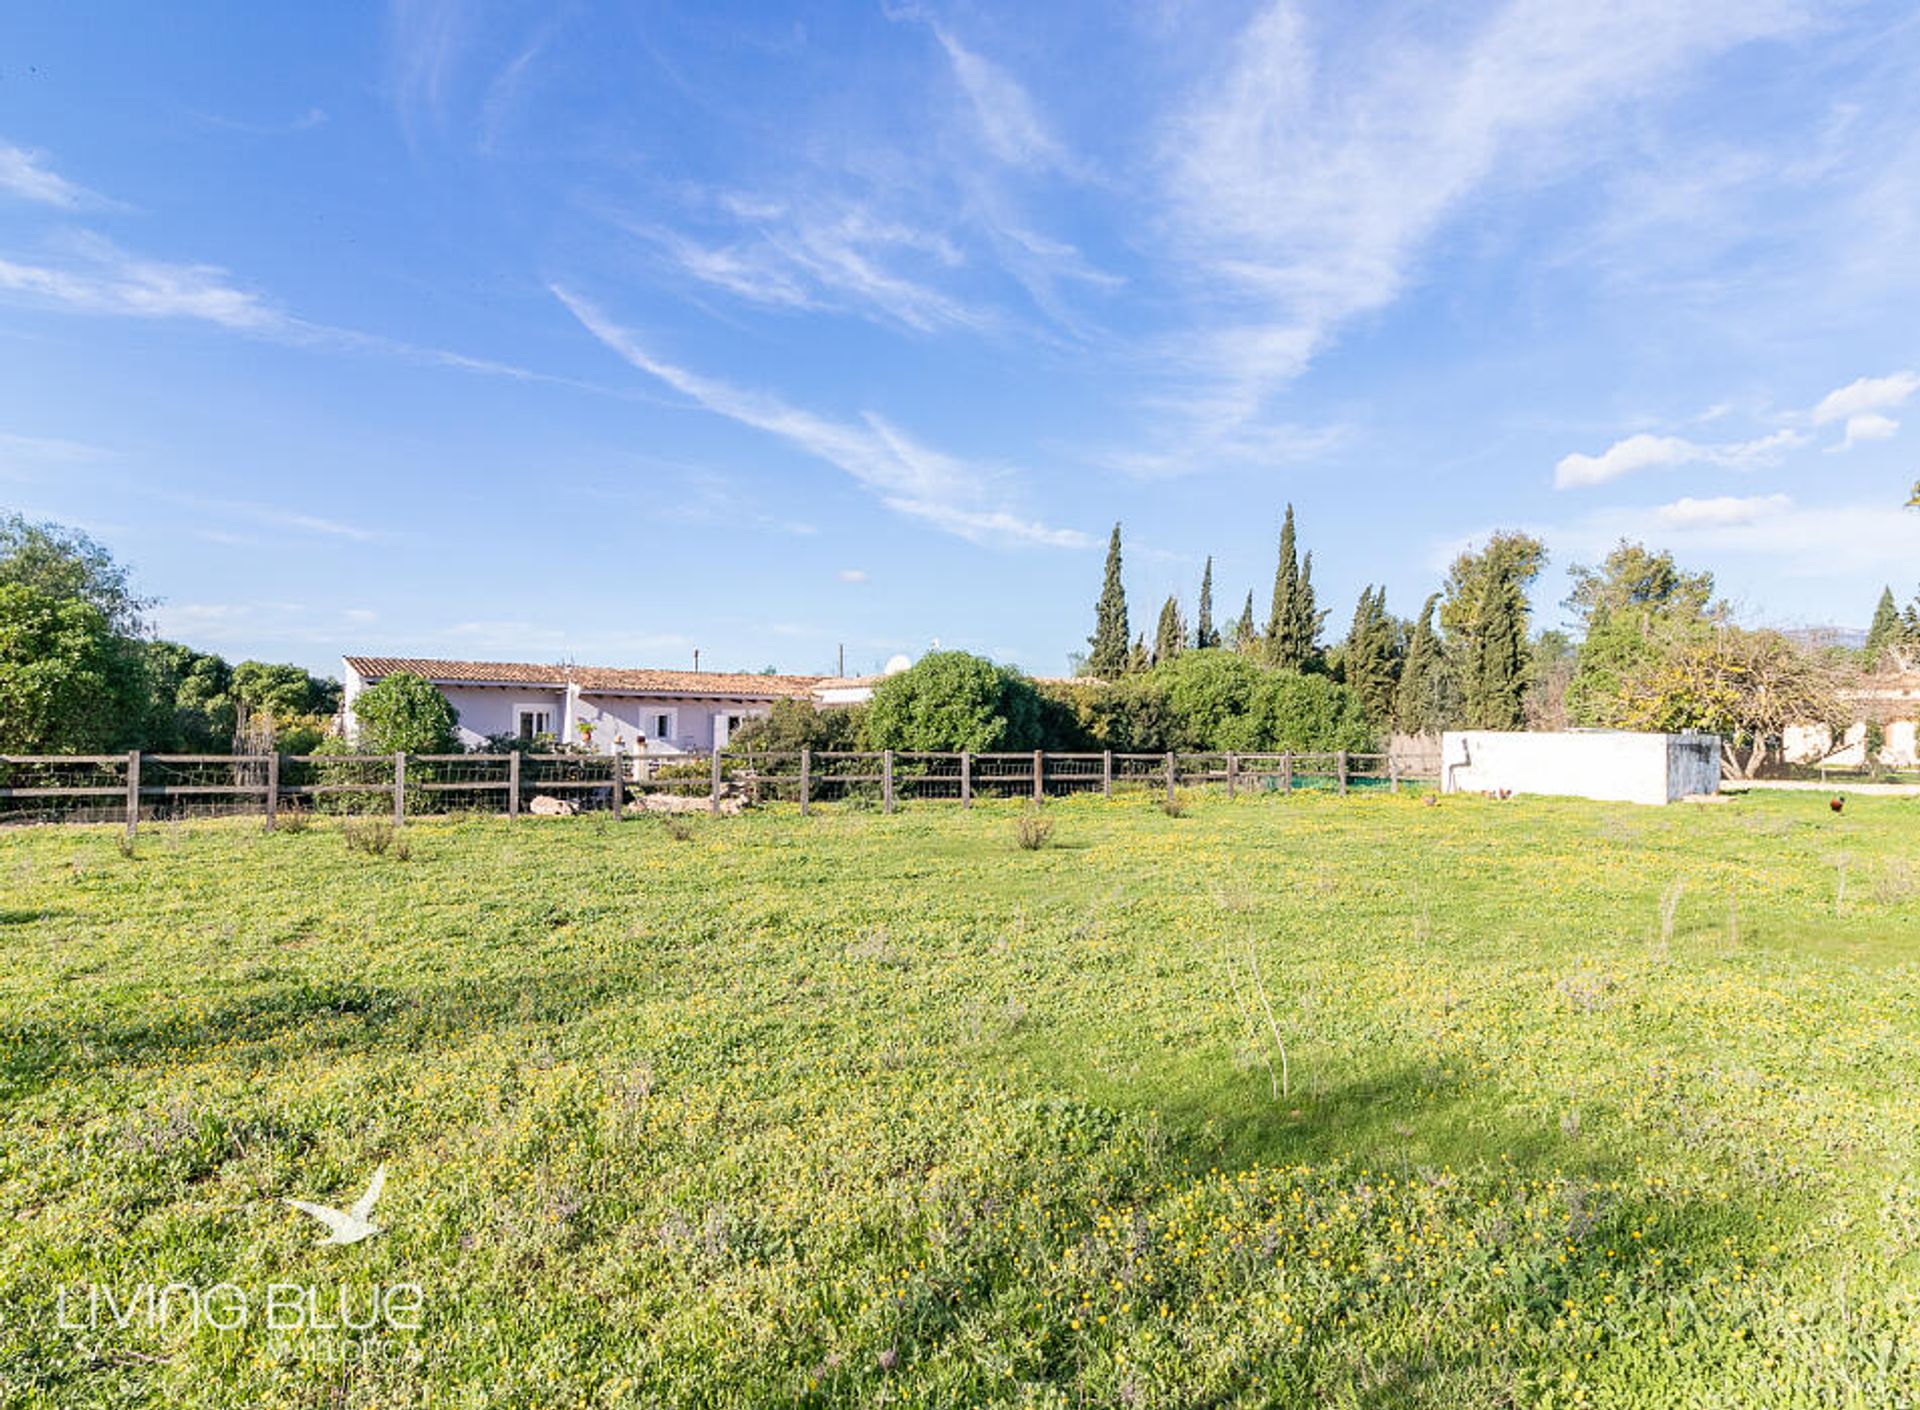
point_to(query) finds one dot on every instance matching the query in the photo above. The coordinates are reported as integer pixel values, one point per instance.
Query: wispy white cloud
(1009, 121)
(1306, 185)
(842, 256)
(1866, 394)
(852, 575)
(1863, 404)
(1868, 426)
(24, 174)
(94, 276)
(1647, 452)
(101, 278)
(911, 479)
(425, 42)
(1722, 512)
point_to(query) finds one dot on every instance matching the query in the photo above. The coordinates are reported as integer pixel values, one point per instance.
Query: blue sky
(606, 332)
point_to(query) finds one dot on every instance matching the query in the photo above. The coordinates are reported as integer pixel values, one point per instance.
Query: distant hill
(1853, 638)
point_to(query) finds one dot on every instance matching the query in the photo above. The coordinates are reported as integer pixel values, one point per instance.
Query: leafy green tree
(953, 700)
(1293, 620)
(793, 725)
(283, 691)
(1370, 656)
(1291, 711)
(66, 564)
(1107, 659)
(1207, 695)
(1887, 633)
(1747, 687)
(1170, 635)
(1485, 615)
(404, 713)
(1636, 604)
(69, 683)
(1423, 702)
(192, 703)
(1549, 672)
(1205, 635)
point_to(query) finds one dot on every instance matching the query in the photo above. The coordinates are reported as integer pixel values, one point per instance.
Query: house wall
(1608, 765)
(620, 721)
(1815, 744)
(489, 709)
(625, 719)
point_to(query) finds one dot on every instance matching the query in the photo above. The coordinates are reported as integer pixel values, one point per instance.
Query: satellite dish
(895, 665)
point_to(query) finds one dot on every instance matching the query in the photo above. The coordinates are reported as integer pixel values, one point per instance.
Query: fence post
(513, 784)
(399, 789)
(1233, 771)
(619, 782)
(713, 800)
(806, 771)
(886, 778)
(1170, 778)
(133, 793)
(1393, 774)
(1343, 773)
(1286, 772)
(966, 778)
(1106, 773)
(1039, 776)
(273, 788)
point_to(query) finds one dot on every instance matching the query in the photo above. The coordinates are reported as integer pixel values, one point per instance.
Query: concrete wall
(1603, 764)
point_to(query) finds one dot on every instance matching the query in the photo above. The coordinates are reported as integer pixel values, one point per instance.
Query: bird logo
(353, 1225)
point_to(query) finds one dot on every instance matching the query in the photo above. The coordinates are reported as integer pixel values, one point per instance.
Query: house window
(662, 726)
(530, 720)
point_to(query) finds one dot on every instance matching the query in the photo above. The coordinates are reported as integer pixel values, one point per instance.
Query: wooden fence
(131, 787)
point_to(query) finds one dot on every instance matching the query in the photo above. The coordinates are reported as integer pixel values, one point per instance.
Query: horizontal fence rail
(134, 787)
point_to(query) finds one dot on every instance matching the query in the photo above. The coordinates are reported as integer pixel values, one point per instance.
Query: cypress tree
(1886, 631)
(1243, 637)
(1307, 619)
(1204, 635)
(1497, 671)
(1139, 659)
(1282, 614)
(1108, 659)
(1368, 657)
(1418, 705)
(1171, 634)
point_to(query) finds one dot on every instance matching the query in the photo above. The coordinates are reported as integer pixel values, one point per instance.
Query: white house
(627, 709)
(1890, 700)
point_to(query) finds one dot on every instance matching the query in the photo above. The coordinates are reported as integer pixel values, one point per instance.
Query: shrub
(1033, 830)
(1307, 713)
(1208, 696)
(404, 714)
(951, 700)
(376, 837)
(793, 725)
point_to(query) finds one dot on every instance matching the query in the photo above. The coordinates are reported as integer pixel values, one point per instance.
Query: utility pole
(841, 669)
(696, 658)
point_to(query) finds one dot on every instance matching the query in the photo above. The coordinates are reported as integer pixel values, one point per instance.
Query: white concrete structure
(1604, 764)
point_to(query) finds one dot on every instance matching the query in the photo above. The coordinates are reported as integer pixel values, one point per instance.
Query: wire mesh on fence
(63, 788)
(101, 788)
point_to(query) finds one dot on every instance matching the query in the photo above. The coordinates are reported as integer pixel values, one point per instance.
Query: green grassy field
(1585, 1104)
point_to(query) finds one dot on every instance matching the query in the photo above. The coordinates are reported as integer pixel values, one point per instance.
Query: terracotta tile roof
(610, 679)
